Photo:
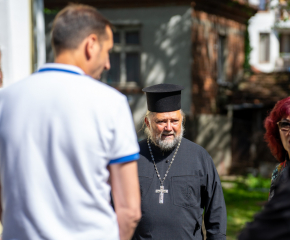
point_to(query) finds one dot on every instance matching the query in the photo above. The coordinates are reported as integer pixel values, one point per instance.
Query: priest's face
(165, 129)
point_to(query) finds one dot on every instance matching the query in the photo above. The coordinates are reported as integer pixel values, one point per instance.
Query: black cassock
(193, 188)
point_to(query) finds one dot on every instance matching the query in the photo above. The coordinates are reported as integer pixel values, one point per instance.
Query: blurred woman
(277, 136)
(274, 221)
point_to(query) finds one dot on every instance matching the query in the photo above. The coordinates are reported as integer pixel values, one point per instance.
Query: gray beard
(164, 145)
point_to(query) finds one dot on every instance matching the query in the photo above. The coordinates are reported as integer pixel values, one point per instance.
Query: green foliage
(244, 198)
(51, 11)
(257, 182)
(247, 49)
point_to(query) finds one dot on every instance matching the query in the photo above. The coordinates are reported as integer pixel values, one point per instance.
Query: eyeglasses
(284, 126)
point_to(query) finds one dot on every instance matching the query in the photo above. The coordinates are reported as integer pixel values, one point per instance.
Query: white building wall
(15, 40)
(263, 22)
(254, 2)
(166, 48)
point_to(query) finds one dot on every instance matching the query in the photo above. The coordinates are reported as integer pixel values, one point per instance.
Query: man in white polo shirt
(66, 140)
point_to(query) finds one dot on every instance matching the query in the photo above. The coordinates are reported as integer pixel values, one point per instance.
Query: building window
(125, 58)
(221, 59)
(285, 43)
(264, 48)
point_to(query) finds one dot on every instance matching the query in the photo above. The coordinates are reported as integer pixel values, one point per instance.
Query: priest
(178, 179)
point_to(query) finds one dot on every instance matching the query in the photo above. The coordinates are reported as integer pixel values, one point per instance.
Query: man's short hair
(73, 24)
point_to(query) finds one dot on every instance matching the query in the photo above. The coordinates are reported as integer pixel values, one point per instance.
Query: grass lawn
(244, 197)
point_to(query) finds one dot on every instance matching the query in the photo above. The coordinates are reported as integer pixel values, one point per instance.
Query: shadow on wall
(214, 134)
(171, 44)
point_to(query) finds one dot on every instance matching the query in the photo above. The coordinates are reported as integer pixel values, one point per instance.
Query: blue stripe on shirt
(58, 70)
(125, 159)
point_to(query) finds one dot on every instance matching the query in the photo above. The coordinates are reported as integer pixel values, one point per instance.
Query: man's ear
(92, 46)
(147, 122)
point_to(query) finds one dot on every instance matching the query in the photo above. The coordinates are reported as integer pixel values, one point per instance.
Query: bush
(257, 182)
(244, 197)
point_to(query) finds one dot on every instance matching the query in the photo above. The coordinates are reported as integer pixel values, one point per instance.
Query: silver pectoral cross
(161, 192)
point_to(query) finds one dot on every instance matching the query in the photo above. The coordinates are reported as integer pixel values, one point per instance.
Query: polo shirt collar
(61, 66)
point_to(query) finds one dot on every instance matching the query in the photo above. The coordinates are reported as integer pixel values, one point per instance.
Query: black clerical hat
(163, 97)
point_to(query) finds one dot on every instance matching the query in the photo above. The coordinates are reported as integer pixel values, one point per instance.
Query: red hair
(272, 135)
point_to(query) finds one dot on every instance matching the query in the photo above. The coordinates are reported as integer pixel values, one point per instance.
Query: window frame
(283, 41)
(221, 59)
(267, 48)
(122, 48)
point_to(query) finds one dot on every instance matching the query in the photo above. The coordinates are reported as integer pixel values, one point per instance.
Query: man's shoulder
(56, 73)
(143, 146)
(142, 143)
(13, 87)
(191, 150)
(108, 88)
(85, 85)
(193, 146)
(102, 88)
